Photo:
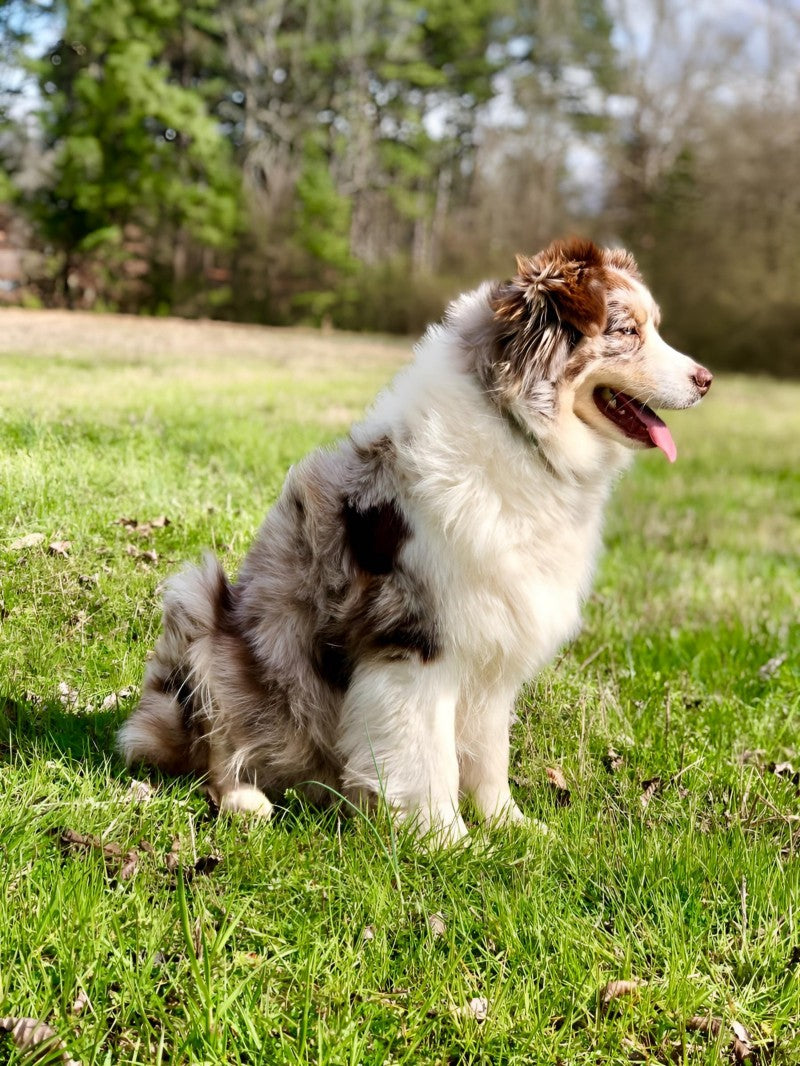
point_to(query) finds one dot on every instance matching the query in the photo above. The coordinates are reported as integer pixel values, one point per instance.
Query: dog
(408, 582)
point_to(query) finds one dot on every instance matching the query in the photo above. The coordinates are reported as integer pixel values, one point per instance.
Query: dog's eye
(629, 331)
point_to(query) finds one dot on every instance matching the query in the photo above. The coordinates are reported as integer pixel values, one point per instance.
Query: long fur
(408, 582)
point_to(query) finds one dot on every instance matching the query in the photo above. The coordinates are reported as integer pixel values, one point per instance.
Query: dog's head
(575, 334)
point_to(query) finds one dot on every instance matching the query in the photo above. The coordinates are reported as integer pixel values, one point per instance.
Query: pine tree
(136, 151)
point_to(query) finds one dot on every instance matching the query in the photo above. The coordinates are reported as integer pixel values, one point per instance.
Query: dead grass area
(76, 334)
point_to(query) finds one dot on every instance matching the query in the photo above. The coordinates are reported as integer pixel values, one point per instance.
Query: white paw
(246, 800)
(436, 828)
(500, 810)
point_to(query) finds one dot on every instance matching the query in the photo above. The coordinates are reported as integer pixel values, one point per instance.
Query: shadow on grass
(48, 730)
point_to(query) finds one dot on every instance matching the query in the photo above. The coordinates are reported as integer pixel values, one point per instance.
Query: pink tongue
(658, 431)
(662, 438)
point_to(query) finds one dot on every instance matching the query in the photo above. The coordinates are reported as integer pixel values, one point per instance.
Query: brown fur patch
(374, 535)
(570, 275)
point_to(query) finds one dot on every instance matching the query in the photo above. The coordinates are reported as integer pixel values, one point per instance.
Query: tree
(135, 149)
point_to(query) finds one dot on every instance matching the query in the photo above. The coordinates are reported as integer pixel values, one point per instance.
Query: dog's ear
(620, 259)
(555, 298)
(568, 279)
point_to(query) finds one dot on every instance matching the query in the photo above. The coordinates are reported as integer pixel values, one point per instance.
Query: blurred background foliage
(358, 162)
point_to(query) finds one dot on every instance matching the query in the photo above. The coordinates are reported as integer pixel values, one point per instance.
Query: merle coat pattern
(408, 582)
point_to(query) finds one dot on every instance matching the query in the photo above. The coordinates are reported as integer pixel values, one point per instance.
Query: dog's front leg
(484, 722)
(397, 740)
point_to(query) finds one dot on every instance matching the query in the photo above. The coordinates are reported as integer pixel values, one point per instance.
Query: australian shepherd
(409, 581)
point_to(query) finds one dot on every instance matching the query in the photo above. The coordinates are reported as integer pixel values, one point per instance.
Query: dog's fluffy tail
(168, 728)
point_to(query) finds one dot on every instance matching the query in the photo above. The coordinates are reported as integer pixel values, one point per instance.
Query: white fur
(509, 548)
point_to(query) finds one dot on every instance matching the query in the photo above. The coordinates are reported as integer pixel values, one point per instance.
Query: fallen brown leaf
(143, 528)
(81, 1002)
(147, 556)
(555, 776)
(59, 547)
(126, 862)
(205, 865)
(741, 1048)
(128, 868)
(139, 791)
(649, 787)
(616, 989)
(437, 925)
(173, 856)
(30, 1033)
(30, 540)
(72, 839)
(612, 760)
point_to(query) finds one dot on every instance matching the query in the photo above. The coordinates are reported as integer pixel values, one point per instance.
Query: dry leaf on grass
(205, 865)
(67, 697)
(772, 666)
(139, 791)
(367, 933)
(617, 989)
(612, 760)
(704, 1023)
(173, 856)
(786, 772)
(59, 547)
(557, 781)
(30, 540)
(29, 1034)
(128, 868)
(144, 529)
(477, 1009)
(146, 556)
(649, 789)
(113, 853)
(81, 1002)
(113, 699)
(740, 1047)
(437, 925)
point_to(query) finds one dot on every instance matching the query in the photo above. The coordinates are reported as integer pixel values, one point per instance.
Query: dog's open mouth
(636, 420)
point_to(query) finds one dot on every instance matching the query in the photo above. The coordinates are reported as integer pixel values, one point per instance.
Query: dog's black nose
(702, 379)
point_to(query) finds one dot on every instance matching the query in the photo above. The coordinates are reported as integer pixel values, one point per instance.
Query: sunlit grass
(311, 941)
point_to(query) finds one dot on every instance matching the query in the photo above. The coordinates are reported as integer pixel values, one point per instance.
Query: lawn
(144, 930)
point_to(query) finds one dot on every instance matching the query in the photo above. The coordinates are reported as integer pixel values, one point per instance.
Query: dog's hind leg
(231, 794)
(397, 740)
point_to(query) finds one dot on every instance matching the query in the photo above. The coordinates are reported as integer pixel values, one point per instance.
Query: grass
(311, 940)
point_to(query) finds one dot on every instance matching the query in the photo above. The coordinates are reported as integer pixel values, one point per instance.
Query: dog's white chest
(524, 607)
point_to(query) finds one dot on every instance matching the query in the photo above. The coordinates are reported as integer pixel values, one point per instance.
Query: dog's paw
(246, 800)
